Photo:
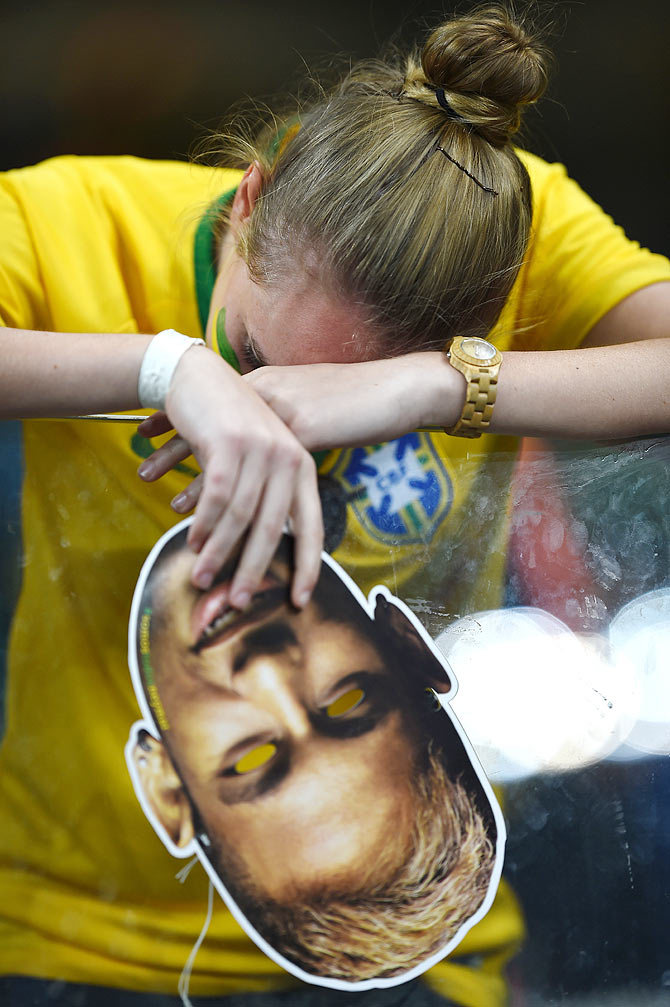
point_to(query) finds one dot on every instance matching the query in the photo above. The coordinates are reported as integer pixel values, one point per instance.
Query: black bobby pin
(465, 170)
(443, 103)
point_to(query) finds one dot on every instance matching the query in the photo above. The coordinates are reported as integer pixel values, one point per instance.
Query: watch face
(478, 348)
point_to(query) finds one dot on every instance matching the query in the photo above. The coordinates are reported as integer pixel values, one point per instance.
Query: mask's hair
(355, 196)
(387, 927)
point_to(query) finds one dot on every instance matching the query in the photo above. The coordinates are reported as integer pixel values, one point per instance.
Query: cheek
(229, 307)
(228, 329)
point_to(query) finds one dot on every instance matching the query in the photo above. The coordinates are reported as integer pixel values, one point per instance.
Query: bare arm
(62, 374)
(617, 385)
(594, 393)
(256, 474)
(641, 316)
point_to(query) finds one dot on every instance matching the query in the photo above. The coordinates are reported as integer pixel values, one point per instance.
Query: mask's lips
(213, 620)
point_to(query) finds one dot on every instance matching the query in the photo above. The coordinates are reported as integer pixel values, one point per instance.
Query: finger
(164, 459)
(218, 487)
(307, 524)
(188, 498)
(264, 537)
(226, 508)
(154, 425)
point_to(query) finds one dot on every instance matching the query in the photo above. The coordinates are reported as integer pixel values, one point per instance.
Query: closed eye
(252, 358)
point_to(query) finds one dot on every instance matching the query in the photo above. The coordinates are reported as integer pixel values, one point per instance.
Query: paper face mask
(307, 760)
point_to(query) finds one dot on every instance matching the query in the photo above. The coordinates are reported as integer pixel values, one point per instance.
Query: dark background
(148, 76)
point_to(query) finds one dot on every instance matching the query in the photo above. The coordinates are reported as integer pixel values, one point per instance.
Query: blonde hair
(414, 215)
(387, 928)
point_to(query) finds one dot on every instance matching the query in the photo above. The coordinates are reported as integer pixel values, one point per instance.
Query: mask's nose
(273, 683)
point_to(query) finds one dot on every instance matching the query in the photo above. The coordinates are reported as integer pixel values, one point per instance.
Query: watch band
(479, 362)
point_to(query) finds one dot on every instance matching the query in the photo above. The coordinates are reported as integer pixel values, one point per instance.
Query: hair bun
(489, 65)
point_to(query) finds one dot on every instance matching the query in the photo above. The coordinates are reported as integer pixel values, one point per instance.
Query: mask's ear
(398, 631)
(248, 191)
(162, 789)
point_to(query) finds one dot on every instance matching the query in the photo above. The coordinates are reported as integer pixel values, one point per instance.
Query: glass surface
(478, 348)
(564, 692)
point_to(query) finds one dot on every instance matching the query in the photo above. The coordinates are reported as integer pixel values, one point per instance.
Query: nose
(272, 682)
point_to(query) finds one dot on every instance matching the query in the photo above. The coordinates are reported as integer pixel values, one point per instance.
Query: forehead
(168, 583)
(293, 321)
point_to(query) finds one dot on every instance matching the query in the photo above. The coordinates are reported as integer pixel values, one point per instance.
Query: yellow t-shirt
(87, 892)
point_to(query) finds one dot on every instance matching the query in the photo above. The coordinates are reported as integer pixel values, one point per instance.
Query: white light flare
(535, 698)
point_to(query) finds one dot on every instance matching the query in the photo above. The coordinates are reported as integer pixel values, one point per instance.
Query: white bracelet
(159, 364)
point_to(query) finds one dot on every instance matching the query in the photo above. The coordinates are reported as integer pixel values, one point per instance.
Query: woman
(396, 216)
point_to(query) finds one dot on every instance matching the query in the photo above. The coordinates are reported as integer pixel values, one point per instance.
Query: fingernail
(204, 580)
(303, 599)
(240, 599)
(178, 501)
(145, 469)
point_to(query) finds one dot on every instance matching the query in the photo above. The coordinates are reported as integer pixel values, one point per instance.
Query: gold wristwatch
(479, 361)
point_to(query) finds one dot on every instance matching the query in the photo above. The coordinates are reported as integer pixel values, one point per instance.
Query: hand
(255, 475)
(345, 405)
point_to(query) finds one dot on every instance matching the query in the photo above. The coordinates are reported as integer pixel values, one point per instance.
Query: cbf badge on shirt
(397, 490)
(312, 763)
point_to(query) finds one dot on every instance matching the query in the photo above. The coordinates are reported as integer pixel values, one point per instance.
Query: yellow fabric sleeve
(22, 295)
(579, 265)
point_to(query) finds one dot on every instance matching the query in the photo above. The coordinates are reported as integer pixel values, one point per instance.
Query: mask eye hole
(254, 759)
(345, 703)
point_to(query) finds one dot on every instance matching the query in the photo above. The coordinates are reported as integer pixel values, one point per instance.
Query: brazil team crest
(400, 490)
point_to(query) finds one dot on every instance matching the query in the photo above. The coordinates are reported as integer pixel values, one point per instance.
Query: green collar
(204, 254)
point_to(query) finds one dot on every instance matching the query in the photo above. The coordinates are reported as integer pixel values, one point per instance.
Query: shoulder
(118, 230)
(92, 170)
(541, 172)
(120, 186)
(556, 196)
(579, 263)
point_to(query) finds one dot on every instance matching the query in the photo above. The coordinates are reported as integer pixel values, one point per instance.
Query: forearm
(61, 374)
(595, 393)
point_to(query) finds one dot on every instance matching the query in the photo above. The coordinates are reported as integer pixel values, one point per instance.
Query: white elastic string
(182, 875)
(185, 977)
